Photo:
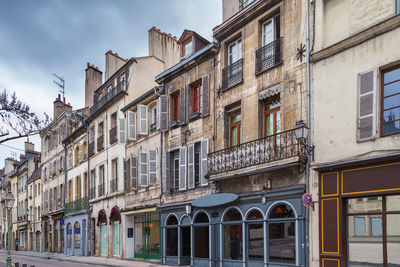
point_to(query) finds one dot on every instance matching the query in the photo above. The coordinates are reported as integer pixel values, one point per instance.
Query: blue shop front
(76, 232)
(259, 229)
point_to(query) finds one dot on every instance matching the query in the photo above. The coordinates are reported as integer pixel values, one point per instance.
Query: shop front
(77, 234)
(231, 230)
(360, 213)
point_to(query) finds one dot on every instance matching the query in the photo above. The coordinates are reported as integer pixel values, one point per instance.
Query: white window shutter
(51, 168)
(366, 108)
(203, 163)
(163, 112)
(152, 166)
(131, 125)
(122, 131)
(133, 172)
(143, 169)
(191, 182)
(158, 113)
(182, 168)
(57, 165)
(142, 119)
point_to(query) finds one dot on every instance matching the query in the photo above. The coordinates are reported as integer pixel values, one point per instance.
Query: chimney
(60, 106)
(29, 147)
(93, 81)
(113, 63)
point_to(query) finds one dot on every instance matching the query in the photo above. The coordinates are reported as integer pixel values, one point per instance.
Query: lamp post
(301, 133)
(8, 200)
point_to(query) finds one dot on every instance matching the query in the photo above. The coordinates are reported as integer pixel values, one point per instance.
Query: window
(85, 187)
(235, 129)
(100, 129)
(78, 187)
(281, 228)
(201, 236)
(255, 236)
(172, 236)
(272, 117)
(234, 51)
(154, 115)
(397, 7)
(197, 151)
(391, 101)
(233, 237)
(175, 107)
(114, 182)
(244, 3)
(270, 30)
(77, 235)
(69, 236)
(188, 48)
(113, 120)
(197, 98)
(70, 192)
(176, 171)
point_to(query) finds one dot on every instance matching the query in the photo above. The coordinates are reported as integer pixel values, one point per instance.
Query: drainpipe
(88, 176)
(161, 146)
(65, 172)
(309, 132)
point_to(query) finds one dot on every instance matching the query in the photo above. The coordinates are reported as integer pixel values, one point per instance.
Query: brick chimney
(29, 147)
(92, 82)
(60, 106)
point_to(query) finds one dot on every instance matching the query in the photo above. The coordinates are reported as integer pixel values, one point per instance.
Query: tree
(18, 120)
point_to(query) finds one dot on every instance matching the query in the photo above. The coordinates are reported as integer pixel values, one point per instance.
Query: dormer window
(188, 48)
(244, 3)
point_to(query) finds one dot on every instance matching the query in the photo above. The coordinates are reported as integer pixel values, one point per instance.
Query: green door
(104, 239)
(147, 236)
(116, 239)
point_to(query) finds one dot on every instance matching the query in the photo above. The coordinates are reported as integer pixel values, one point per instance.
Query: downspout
(309, 132)
(161, 147)
(88, 176)
(65, 173)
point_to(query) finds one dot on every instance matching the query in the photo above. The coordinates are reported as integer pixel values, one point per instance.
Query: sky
(38, 38)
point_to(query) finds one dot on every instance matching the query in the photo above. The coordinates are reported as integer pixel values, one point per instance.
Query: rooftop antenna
(61, 84)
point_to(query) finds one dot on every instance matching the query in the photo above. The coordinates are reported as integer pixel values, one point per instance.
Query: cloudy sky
(38, 38)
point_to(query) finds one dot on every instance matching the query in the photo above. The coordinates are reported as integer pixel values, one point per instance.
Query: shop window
(282, 241)
(390, 123)
(172, 236)
(77, 235)
(381, 235)
(186, 236)
(233, 236)
(201, 236)
(69, 236)
(255, 236)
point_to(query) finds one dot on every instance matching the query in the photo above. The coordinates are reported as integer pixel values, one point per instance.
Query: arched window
(233, 235)
(185, 235)
(77, 235)
(282, 234)
(172, 236)
(69, 236)
(255, 235)
(201, 236)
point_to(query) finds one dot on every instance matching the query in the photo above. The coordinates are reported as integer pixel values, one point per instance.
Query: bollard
(24, 265)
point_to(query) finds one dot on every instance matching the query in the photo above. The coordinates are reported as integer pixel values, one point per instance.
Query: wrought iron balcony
(100, 143)
(272, 148)
(232, 75)
(91, 149)
(113, 135)
(113, 185)
(269, 56)
(107, 98)
(77, 205)
(92, 192)
(100, 190)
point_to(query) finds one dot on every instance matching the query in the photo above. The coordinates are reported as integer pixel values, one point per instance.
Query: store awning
(214, 200)
(139, 211)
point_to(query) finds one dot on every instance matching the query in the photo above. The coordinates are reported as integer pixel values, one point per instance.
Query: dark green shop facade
(262, 229)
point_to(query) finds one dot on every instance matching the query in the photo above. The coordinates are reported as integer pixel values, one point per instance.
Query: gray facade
(76, 241)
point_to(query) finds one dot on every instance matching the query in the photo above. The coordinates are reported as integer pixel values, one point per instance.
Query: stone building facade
(355, 91)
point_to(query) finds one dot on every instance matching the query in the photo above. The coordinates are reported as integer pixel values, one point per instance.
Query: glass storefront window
(69, 236)
(172, 236)
(77, 235)
(233, 236)
(255, 236)
(201, 236)
(393, 238)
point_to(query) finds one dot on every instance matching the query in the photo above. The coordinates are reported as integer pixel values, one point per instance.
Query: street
(38, 262)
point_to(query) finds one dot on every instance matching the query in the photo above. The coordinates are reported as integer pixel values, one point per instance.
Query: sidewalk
(98, 261)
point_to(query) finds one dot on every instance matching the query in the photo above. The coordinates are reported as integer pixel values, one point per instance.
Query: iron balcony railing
(113, 135)
(91, 149)
(100, 143)
(92, 192)
(77, 205)
(120, 88)
(113, 185)
(269, 56)
(100, 190)
(232, 75)
(272, 148)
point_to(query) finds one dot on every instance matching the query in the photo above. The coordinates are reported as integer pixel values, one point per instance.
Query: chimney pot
(116, 54)
(64, 99)
(88, 64)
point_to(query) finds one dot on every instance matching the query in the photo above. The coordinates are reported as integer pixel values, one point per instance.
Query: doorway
(103, 239)
(147, 236)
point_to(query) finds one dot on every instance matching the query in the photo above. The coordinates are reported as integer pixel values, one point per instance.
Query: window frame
(382, 93)
(231, 125)
(197, 87)
(175, 111)
(272, 111)
(236, 45)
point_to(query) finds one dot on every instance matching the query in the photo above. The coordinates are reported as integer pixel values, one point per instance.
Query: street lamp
(8, 200)
(301, 132)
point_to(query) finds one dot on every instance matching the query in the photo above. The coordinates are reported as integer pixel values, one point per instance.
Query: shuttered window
(366, 121)
(182, 168)
(203, 166)
(142, 119)
(205, 88)
(152, 166)
(163, 111)
(131, 125)
(175, 107)
(390, 122)
(122, 131)
(191, 172)
(143, 169)
(183, 105)
(133, 172)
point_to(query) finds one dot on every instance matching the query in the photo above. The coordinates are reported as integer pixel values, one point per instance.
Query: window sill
(194, 116)
(174, 124)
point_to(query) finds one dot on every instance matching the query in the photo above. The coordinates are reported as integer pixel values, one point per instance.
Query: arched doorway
(69, 239)
(38, 236)
(115, 222)
(102, 223)
(77, 238)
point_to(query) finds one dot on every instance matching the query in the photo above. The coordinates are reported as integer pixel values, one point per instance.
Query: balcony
(113, 135)
(91, 149)
(100, 190)
(107, 98)
(77, 205)
(267, 153)
(269, 56)
(232, 75)
(92, 193)
(100, 143)
(113, 185)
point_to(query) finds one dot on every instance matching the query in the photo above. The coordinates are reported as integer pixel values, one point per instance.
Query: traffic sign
(307, 200)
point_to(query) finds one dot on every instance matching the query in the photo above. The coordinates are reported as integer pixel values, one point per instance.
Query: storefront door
(147, 236)
(116, 238)
(103, 239)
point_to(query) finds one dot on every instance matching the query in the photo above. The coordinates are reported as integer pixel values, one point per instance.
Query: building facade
(356, 132)
(34, 215)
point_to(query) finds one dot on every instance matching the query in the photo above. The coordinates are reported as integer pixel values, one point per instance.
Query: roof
(78, 131)
(185, 32)
(137, 100)
(186, 60)
(35, 174)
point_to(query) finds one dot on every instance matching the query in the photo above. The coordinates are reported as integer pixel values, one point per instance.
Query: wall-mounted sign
(307, 200)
